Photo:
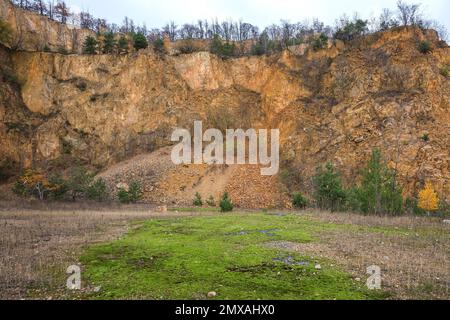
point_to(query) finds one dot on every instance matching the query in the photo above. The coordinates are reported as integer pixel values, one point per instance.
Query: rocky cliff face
(32, 32)
(332, 105)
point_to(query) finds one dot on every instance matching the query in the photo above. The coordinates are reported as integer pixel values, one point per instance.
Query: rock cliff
(33, 32)
(333, 105)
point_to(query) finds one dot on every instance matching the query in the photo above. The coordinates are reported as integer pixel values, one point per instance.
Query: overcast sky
(156, 13)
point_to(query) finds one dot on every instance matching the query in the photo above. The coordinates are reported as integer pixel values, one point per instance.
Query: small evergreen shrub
(320, 43)
(211, 202)
(123, 44)
(140, 41)
(425, 47)
(79, 181)
(90, 45)
(97, 190)
(223, 50)
(123, 196)
(158, 45)
(329, 193)
(299, 201)
(133, 195)
(135, 192)
(444, 71)
(58, 187)
(198, 200)
(225, 203)
(62, 50)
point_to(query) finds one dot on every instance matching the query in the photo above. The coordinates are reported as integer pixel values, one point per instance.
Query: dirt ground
(412, 252)
(39, 241)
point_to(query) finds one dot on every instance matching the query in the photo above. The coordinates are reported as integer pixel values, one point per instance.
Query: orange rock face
(333, 105)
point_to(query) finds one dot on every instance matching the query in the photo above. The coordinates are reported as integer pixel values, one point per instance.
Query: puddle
(290, 261)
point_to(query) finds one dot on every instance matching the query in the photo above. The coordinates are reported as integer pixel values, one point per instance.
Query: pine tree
(379, 192)
(140, 41)
(110, 43)
(90, 45)
(329, 193)
(428, 199)
(123, 45)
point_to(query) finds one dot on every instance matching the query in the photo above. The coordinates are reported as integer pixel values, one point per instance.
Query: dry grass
(37, 245)
(413, 252)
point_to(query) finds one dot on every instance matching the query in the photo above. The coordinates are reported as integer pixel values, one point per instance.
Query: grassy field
(249, 255)
(188, 257)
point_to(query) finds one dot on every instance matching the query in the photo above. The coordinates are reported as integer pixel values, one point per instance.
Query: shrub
(211, 202)
(62, 50)
(123, 44)
(225, 203)
(140, 41)
(258, 49)
(428, 199)
(158, 45)
(426, 137)
(124, 196)
(58, 187)
(444, 71)
(299, 201)
(223, 50)
(31, 183)
(320, 42)
(97, 190)
(6, 169)
(135, 192)
(109, 45)
(133, 195)
(351, 30)
(198, 200)
(5, 32)
(378, 192)
(329, 193)
(412, 208)
(187, 47)
(90, 45)
(79, 181)
(425, 47)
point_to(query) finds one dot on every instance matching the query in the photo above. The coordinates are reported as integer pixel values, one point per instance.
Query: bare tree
(409, 14)
(62, 11)
(387, 20)
(171, 30)
(86, 20)
(39, 6)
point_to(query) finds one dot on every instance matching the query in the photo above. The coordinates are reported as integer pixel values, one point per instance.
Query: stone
(162, 209)
(97, 289)
(212, 294)
(318, 267)
(123, 185)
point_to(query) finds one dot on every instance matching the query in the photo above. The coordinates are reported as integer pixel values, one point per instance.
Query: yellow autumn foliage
(428, 199)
